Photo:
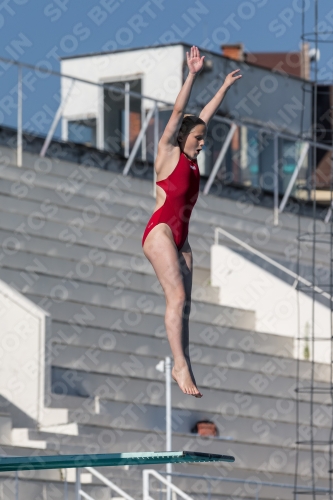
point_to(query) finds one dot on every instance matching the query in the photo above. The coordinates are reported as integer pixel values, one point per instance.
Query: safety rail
(153, 110)
(273, 262)
(258, 483)
(145, 485)
(109, 483)
(113, 487)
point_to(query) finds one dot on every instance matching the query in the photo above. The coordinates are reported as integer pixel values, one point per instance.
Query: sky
(39, 32)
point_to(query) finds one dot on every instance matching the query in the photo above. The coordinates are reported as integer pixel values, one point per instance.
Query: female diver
(165, 239)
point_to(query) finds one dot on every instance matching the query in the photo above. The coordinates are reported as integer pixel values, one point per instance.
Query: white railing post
(138, 140)
(294, 177)
(276, 180)
(174, 488)
(85, 495)
(109, 483)
(77, 483)
(19, 118)
(156, 137)
(145, 485)
(220, 158)
(55, 122)
(168, 419)
(127, 121)
(274, 263)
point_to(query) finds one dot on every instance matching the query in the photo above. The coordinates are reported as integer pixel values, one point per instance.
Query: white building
(262, 101)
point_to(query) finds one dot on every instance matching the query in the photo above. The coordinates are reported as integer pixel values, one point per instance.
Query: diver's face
(193, 142)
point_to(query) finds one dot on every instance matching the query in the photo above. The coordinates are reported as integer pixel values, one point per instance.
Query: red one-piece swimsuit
(182, 190)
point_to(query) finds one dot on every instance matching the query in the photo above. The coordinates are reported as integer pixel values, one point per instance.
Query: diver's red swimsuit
(182, 190)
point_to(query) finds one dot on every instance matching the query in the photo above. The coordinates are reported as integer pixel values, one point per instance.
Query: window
(82, 131)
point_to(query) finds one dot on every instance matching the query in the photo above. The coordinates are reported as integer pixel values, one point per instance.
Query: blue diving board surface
(107, 460)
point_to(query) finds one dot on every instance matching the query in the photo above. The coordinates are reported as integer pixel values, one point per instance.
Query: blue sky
(34, 31)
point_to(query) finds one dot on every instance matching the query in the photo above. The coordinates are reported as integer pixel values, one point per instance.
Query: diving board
(107, 460)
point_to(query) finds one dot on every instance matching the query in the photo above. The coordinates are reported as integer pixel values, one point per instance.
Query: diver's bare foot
(182, 376)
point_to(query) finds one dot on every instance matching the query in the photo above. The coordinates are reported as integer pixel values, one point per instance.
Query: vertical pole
(65, 486)
(156, 134)
(276, 181)
(19, 118)
(16, 486)
(127, 121)
(144, 138)
(100, 125)
(219, 159)
(77, 483)
(168, 418)
(55, 121)
(145, 484)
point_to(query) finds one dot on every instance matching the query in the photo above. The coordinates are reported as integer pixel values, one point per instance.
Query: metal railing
(153, 110)
(170, 486)
(113, 487)
(254, 251)
(209, 479)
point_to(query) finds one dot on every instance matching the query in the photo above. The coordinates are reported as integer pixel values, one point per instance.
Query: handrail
(248, 123)
(269, 260)
(145, 484)
(247, 481)
(109, 483)
(85, 495)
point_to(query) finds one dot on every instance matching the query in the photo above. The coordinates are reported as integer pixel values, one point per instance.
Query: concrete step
(265, 237)
(120, 298)
(75, 233)
(118, 415)
(117, 207)
(39, 246)
(118, 219)
(141, 341)
(224, 405)
(35, 490)
(119, 315)
(74, 179)
(89, 371)
(222, 396)
(92, 358)
(44, 266)
(225, 413)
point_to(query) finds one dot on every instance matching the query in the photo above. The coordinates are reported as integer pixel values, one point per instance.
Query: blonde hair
(189, 122)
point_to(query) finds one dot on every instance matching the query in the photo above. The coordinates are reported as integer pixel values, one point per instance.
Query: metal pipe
(55, 122)
(163, 480)
(109, 483)
(19, 118)
(168, 418)
(294, 177)
(138, 141)
(65, 485)
(127, 120)
(269, 260)
(135, 94)
(85, 495)
(242, 481)
(77, 483)
(276, 181)
(156, 139)
(220, 158)
(16, 486)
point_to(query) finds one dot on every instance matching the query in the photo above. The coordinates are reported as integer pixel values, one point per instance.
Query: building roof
(202, 49)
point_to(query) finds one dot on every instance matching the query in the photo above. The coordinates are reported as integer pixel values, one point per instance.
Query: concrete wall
(277, 305)
(24, 368)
